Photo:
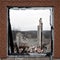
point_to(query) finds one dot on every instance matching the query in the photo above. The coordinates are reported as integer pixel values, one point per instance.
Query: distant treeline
(31, 34)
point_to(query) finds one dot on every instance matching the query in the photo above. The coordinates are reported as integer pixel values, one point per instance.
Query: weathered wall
(3, 21)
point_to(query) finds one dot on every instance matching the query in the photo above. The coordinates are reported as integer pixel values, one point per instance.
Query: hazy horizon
(25, 20)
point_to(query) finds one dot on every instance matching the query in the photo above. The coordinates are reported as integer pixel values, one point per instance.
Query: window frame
(52, 28)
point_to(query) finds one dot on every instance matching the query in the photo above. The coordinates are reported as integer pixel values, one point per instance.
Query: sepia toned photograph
(29, 31)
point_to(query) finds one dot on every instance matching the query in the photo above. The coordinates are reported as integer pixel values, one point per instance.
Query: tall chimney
(39, 33)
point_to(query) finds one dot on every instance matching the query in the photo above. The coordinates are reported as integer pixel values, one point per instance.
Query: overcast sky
(25, 20)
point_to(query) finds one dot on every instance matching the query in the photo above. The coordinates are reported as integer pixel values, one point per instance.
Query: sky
(28, 19)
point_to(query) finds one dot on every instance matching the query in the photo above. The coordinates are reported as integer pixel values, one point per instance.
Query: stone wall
(27, 59)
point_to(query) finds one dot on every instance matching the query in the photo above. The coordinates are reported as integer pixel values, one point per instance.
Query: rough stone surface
(27, 59)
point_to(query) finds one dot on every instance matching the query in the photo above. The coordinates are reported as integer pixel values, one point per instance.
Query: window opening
(30, 31)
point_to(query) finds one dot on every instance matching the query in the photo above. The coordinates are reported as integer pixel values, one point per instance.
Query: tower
(39, 33)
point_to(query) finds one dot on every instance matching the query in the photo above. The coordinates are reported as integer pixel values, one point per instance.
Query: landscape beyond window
(29, 31)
